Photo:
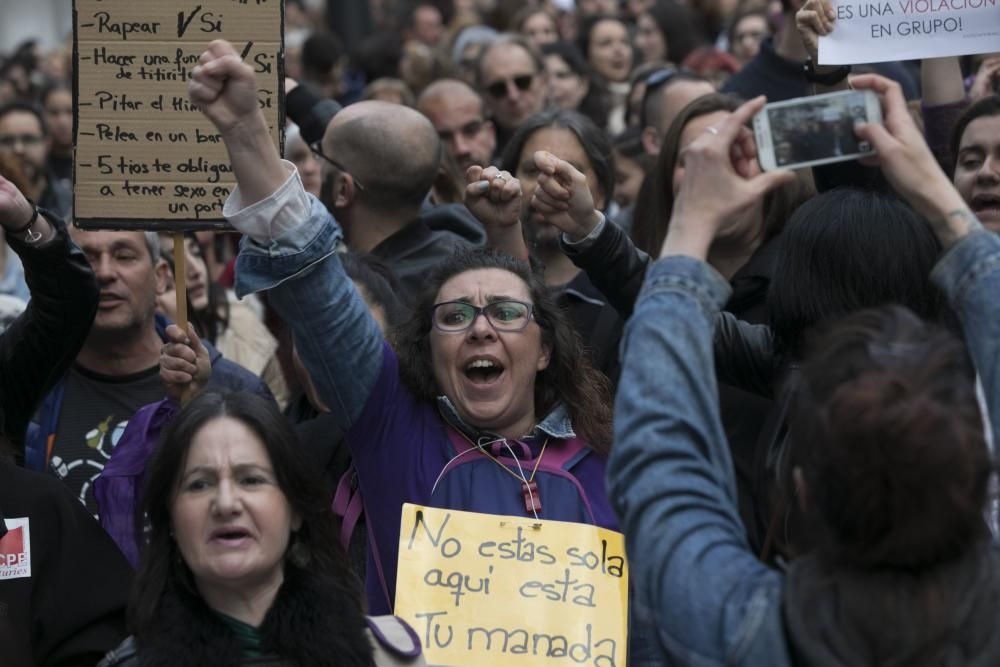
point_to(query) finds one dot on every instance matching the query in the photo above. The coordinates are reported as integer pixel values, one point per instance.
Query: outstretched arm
(291, 242)
(38, 348)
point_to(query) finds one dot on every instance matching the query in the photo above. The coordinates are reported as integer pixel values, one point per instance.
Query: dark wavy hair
(887, 431)
(596, 104)
(569, 377)
(655, 202)
(162, 571)
(593, 140)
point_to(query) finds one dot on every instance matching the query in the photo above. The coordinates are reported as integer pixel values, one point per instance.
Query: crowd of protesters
(510, 236)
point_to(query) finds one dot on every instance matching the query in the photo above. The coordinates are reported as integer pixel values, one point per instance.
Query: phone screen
(817, 130)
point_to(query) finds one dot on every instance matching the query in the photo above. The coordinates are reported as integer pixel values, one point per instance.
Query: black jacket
(39, 347)
(313, 621)
(70, 610)
(617, 268)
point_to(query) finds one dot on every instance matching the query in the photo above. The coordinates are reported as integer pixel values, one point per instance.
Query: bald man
(458, 115)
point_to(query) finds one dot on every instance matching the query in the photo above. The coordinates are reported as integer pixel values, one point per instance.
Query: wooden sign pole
(180, 291)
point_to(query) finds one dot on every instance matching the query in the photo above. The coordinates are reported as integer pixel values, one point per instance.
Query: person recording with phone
(889, 449)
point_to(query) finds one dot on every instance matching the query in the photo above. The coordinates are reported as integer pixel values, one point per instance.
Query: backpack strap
(564, 457)
(557, 461)
(349, 506)
(394, 641)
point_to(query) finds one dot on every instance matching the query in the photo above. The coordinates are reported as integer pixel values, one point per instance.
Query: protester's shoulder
(231, 376)
(29, 489)
(454, 220)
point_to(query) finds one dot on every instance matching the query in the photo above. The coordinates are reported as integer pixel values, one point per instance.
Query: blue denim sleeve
(969, 275)
(338, 340)
(671, 481)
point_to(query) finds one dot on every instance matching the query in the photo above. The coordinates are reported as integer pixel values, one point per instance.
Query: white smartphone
(814, 130)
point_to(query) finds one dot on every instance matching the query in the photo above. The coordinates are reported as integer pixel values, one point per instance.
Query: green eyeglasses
(458, 316)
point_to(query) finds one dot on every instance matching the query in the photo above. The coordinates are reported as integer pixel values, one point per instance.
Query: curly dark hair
(888, 433)
(569, 377)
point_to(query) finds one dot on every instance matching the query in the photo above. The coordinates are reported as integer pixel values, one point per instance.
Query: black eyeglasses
(458, 316)
(318, 152)
(499, 89)
(654, 81)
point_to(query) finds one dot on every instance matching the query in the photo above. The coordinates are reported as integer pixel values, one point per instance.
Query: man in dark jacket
(63, 584)
(116, 371)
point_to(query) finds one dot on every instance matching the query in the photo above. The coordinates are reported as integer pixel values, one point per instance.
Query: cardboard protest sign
(145, 157)
(489, 590)
(870, 31)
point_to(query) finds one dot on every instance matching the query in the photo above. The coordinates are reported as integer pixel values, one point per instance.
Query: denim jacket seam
(685, 286)
(968, 279)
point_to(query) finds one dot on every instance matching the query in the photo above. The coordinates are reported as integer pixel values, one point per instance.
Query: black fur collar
(315, 621)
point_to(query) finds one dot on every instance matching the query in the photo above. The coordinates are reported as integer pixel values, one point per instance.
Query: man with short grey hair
(117, 370)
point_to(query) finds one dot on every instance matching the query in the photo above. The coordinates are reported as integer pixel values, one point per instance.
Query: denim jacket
(671, 476)
(399, 442)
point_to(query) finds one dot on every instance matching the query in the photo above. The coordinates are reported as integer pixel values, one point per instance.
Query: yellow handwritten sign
(146, 158)
(485, 590)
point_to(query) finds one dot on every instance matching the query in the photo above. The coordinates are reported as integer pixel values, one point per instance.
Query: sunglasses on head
(654, 81)
(498, 89)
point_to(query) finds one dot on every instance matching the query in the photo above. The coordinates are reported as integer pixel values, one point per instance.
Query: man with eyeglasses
(458, 115)
(24, 137)
(511, 74)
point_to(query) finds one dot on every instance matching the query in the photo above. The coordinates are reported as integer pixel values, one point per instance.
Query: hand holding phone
(720, 182)
(909, 165)
(815, 130)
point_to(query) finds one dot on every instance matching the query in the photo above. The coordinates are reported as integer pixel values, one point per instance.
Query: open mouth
(230, 535)
(483, 371)
(986, 203)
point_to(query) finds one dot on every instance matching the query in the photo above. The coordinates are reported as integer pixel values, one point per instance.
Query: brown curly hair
(569, 377)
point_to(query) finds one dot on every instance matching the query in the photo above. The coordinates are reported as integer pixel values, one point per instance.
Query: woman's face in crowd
(610, 51)
(197, 274)
(59, 117)
(298, 153)
(747, 36)
(489, 375)
(540, 29)
(650, 40)
(563, 144)
(977, 170)
(694, 129)
(628, 180)
(231, 521)
(566, 88)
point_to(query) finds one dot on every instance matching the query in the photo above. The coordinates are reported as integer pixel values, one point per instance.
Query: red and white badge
(15, 550)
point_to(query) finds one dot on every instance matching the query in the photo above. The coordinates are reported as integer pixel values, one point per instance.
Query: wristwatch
(29, 235)
(831, 78)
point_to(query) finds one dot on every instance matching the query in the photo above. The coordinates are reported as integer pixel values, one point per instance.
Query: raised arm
(670, 474)
(291, 241)
(38, 348)
(969, 270)
(494, 198)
